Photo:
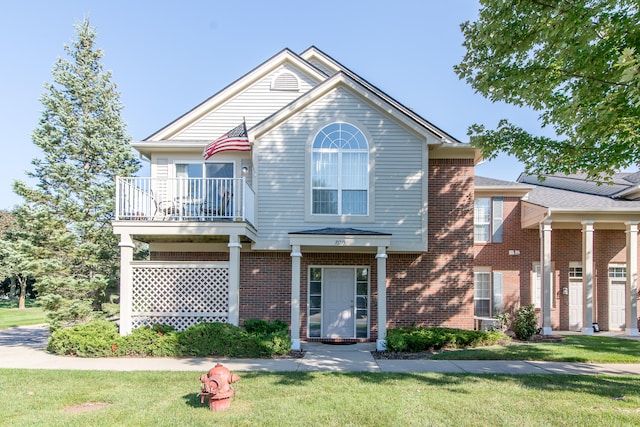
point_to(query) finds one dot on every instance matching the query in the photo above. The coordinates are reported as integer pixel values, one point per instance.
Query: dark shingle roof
(578, 183)
(481, 181)
(341, 232)
(565, 199)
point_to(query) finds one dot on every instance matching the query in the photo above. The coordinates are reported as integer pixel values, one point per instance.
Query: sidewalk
(23, 348)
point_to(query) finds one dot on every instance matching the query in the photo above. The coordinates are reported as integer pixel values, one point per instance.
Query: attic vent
(285, 81)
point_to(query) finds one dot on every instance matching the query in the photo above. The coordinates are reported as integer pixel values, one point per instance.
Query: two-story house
(339, 211)
(564, 243)
(349, 213)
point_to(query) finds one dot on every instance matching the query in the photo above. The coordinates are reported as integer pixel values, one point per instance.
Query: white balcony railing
(184, 199)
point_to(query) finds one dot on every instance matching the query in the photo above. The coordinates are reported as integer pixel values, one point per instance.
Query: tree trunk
(23, 293)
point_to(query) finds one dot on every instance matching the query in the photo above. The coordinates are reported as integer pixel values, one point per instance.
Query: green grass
(42, 397)
(11, 316)
(576, 348)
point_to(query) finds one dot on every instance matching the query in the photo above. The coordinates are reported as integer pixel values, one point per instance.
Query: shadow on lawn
(596, 385)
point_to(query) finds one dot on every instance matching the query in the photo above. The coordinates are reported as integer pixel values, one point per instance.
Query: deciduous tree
(573, 61)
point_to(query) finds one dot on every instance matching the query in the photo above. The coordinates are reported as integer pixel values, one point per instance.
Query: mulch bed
(293, 354)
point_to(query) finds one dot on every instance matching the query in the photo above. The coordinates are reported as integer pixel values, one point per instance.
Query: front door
(339, 294)
(616, 306)
(575, 306)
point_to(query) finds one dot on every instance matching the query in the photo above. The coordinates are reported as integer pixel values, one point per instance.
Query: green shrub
(156, 340)
(261, 327)
(94, 339)
(212, 339)
(416, 339)
(101, 339)
(525, 322)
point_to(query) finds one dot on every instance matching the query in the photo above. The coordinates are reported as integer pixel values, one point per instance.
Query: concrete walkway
(24, 348)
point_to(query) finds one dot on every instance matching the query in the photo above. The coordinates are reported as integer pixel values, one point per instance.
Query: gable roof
(315, 53)
(575, 193)
(484, 187)
(329, 74)
(282, 57)
(623, 186)
(341, 79)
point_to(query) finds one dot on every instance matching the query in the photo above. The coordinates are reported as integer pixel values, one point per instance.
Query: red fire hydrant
(216, 386)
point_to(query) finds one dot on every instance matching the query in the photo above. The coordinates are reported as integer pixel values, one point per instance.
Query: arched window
(340, 171)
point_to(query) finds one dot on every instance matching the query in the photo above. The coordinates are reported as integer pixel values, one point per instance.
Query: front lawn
(70, 398)
(11, 316)
(575, 348)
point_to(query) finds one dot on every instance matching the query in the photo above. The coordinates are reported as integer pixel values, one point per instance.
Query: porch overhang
(190, 231)
(340, 239)
(610, 219)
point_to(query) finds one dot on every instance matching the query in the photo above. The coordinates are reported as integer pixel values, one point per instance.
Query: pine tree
(69, 212)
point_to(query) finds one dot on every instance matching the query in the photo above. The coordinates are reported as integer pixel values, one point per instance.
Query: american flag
(234, 140)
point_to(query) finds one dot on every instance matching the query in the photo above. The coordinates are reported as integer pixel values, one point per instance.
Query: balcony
(184, 199)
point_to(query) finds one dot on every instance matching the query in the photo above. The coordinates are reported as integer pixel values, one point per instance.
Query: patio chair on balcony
(218, 208)
(164, 209)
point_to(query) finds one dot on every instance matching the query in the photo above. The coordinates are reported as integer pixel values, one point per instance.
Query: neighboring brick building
(327, 204)
(585, 224)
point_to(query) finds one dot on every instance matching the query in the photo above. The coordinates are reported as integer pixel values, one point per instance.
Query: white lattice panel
(179, 295)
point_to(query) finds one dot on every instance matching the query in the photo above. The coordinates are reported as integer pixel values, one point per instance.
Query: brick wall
(566, 247)
(432, 288)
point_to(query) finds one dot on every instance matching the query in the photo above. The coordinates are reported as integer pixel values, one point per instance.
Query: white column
(234, 280)
(631, 294)
(381, 257)
(126, 278)
(295, 297)
(547, 276)
(587, 277)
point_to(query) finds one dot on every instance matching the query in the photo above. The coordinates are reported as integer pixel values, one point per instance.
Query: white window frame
(477, 273)
(492, 222)
(619, 271)
(340, 185)
(477, 222)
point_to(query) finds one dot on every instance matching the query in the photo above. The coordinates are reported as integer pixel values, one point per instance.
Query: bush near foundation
(101, 339)
(525, 322)
(415, 339)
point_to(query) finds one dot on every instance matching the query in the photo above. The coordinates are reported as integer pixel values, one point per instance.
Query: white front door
(575, 306)
(337, 310)
(616, 306)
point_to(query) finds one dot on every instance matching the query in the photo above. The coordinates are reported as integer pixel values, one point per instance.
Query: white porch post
(126, 278)
(381, 258)
(587, 277)
(631, 294)
(234, 280)
(295, 297)
(547, 276)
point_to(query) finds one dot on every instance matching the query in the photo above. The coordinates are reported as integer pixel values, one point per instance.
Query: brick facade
(434, 288)
(566, 247)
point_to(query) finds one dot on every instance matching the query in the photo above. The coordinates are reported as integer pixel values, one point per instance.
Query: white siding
(322, 67)
(395, 155)
(255, 103)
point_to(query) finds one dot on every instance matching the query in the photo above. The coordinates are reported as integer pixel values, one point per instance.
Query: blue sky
(168, 56)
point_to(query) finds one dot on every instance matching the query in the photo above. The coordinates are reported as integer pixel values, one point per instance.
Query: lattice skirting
(179, 322)
(179, 295)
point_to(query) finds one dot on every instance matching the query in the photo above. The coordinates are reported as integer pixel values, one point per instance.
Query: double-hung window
(487, 220)
(340, 171)
(487, 292)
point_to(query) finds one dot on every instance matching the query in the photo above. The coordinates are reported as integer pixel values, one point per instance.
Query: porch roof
(335, 231)
(337, 238)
